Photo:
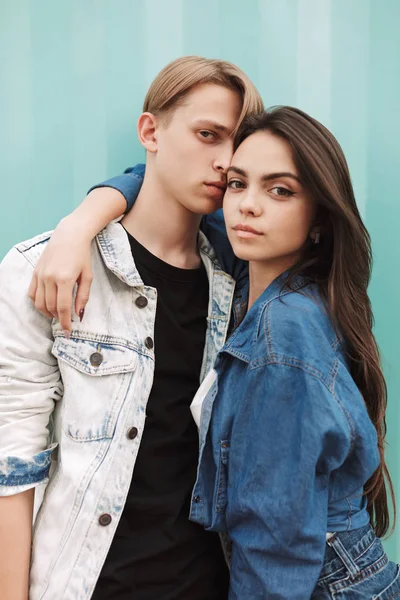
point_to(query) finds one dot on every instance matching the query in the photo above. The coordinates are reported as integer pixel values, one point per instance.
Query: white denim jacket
(67, 407)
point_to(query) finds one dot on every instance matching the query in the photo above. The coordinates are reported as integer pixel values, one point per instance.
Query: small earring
(316, 238)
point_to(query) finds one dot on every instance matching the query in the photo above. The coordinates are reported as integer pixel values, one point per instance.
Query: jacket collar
(116, 253)
(241, 341)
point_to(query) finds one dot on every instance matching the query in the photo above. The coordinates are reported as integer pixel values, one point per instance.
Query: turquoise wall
(74, 74)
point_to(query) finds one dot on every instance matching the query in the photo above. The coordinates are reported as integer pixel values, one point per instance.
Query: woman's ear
(147, 131)
(315, 234)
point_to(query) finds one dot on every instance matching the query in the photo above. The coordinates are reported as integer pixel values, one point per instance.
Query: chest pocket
(96, 377)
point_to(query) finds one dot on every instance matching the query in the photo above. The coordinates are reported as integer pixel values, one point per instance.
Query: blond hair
(175, 81)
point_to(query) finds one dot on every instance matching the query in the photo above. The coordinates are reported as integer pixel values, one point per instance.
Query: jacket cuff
(18, 472)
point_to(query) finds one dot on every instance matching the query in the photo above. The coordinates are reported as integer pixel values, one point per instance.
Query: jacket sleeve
(29, 381)
(278, 504)
(129, 183)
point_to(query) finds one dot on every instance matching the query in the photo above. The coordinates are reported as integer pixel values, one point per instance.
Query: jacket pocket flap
(93, 357)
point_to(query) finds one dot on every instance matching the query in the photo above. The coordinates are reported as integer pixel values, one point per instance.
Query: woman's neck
(263, 273)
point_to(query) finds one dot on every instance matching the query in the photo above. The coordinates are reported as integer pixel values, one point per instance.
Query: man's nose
(224, 158)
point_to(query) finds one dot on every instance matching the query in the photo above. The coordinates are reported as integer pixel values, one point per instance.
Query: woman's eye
(281, 191)
(208, 135)
(235, 184)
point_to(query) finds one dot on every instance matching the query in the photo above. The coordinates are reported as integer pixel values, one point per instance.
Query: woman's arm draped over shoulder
(66, 260)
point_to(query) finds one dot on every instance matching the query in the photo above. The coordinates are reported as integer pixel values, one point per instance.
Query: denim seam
(333, 375)
(27, 258)
(105, 247)
(373, 569)
(220, 503)
(134, 177)
(296, 363)
(290, 362)
(349, 514)
(114, 370)
(215, 263)
(335, 343)
(357, 557)
(267, 331)
(26, 248)
(349, 421)
(105, 339)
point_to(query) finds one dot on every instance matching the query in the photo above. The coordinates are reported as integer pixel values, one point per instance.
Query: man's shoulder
(32, 249)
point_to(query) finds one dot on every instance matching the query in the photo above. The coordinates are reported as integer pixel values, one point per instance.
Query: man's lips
(217, 190)
(219, 184)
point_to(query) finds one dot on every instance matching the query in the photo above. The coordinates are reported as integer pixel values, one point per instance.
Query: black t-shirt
(157, 553)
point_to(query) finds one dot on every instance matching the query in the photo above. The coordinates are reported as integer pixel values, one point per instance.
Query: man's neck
(163, 226)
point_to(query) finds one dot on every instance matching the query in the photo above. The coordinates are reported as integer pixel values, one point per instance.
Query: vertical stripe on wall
(314, 56)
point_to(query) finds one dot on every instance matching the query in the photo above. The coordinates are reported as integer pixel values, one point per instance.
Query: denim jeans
(356, 567)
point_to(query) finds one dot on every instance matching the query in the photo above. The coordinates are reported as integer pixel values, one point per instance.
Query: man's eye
(281, 191)
(235, 184)
(208, 135)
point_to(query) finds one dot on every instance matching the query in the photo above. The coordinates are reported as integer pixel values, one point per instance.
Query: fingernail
(81, 313)
(67, 334)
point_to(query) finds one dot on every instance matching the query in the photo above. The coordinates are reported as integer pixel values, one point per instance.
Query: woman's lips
(245, 231)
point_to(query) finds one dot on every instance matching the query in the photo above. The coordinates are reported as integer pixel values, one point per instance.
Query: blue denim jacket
(286, 444)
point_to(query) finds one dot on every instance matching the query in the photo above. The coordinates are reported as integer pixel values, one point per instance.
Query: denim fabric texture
(286, 445)
(67, 405)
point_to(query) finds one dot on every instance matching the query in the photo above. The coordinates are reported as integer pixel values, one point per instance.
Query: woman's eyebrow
(281, 174)
(268, 177)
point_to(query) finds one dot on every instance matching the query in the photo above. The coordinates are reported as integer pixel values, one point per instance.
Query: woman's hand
(65, 262)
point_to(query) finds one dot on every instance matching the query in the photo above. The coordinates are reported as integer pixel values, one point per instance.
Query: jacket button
(96, 359)
(132, 433)
(141, 302)
(105, 519)
(196, 499)
(149, 343)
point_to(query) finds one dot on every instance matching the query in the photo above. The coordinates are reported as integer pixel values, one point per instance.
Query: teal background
(74, 74)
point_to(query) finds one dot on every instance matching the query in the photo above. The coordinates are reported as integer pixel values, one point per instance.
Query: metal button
(96, 359)
(132, 433)
(196, 499)
(141, 302)
(105, 519)
(149, 343)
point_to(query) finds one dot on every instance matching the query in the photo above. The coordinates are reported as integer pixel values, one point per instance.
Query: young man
(101, 408)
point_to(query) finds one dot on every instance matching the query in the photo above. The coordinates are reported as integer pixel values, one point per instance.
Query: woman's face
(267, 212)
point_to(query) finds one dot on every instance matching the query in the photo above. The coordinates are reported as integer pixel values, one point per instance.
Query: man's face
(195, 147)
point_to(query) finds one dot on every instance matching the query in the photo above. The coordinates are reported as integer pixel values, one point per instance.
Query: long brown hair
(341, 266)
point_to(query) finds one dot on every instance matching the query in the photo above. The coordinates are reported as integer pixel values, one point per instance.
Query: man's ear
(147, 131)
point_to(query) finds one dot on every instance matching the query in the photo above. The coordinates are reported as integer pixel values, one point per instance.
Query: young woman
(293, 418)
